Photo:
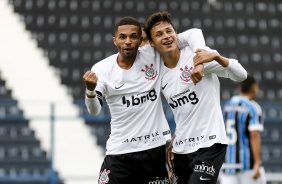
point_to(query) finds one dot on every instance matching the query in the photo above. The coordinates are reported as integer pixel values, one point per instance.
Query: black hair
(127, 21)
(142, 24)
(156, 19)
(247, 84)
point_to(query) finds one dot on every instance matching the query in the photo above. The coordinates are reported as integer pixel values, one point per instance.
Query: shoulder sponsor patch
(212, 137)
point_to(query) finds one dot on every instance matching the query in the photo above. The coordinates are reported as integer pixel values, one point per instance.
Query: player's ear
(151, 43)
(114, 40)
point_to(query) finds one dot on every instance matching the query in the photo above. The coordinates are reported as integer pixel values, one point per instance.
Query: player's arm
(255, 141)
(222, 66)
(91, 98)
(170, 154)
(193, 38)
(255, 127)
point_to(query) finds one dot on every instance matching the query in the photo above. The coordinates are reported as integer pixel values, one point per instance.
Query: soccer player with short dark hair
(200, 139)
(243, 121)
(130, 82)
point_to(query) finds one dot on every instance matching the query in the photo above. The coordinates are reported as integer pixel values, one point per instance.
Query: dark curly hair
(128, 21)
(156, 19)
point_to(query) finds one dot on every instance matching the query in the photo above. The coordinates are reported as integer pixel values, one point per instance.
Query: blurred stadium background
(46, 133)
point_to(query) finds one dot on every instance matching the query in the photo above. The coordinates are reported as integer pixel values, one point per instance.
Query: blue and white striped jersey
(241, 116)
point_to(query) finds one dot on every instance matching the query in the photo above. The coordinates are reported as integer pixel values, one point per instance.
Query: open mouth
(128, 49)
(168, 43)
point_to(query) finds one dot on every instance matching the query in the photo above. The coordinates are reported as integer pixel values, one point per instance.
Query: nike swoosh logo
(164, 86)
(119, 86)
(201, 178)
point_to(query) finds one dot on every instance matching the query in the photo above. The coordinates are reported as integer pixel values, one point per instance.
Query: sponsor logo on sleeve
(212, 137)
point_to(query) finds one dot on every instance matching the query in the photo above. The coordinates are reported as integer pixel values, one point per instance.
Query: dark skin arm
(255, 145)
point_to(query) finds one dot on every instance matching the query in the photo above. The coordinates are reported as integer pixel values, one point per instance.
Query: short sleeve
(256, 123)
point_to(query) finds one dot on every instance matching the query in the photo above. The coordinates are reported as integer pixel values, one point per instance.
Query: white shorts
(245, 177)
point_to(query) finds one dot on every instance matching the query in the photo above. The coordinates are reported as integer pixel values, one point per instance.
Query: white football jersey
(137, 119)
(196, 108)
(133, 97)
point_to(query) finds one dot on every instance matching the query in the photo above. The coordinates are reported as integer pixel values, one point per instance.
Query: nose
(128, 40)
(166, 36)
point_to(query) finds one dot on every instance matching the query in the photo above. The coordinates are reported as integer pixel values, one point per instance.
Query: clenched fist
(197, 73)
(90, 80)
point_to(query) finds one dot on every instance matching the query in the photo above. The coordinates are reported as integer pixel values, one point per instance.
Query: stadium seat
(20, 152)
(75, 34)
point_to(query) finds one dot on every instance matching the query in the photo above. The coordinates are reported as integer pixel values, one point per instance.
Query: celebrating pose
(130, 82)
(200, 138)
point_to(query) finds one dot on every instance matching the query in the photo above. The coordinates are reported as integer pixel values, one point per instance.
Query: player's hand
(256, 171)
(197, 73)
(203, 56)
(90, 80)
(170, 157)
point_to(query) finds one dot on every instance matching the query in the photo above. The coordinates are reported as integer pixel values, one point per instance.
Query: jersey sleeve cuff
(257, 127)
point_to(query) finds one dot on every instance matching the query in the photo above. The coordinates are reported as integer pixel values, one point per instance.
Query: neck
(171, 58)
(125, 63)
(249, 96)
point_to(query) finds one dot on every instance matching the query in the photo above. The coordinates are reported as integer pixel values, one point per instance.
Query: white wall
(35, 86)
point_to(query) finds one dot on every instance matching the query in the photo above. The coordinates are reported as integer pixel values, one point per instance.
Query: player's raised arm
(91, 100)
(193, 38)
(222, 66)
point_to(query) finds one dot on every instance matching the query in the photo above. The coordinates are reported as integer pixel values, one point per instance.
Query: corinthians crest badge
(104, 178)
(150, 73)
(186, 73)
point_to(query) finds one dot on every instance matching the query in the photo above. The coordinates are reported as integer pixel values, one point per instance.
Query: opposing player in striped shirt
(242, 116)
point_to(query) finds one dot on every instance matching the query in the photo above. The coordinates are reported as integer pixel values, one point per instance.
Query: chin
(171, 49)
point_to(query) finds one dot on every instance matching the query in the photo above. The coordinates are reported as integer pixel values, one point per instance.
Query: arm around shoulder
(193, 38)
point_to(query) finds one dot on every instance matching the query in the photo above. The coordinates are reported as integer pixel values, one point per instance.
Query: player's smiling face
(127, 39)
(164, 37)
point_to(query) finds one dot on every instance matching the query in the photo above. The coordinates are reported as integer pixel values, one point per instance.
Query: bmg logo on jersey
(140, 98)
(203, 168)
(190, 97)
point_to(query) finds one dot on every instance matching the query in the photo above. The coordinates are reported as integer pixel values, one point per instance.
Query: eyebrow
(134, 33)
(168, 27)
